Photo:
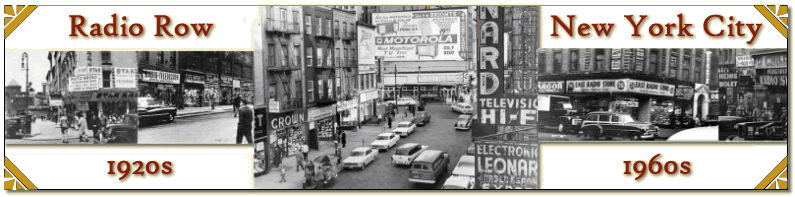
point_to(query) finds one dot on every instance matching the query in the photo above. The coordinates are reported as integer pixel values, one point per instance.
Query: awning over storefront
(101, 96)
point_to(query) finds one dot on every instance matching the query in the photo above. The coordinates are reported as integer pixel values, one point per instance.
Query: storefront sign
(506, 165)
(550, 86)
(684, 92)
(226, 81)
(628, 58)
(745, 61)
(652, 88)
(632, 104)
(125, 77)
(368, 95)
(56, 102)
(274, 106)
(639, 59)
(278, 121)
(596, 86)
(159, 76)
(778, 60)
(420, 35)
(772, 77)
(191, 78)
(714, 96)
(235, 84)
(82, 106)
(346, 105)
(259, 123)
(114, 96)
(85, 83)
(87, 70)
(727, 76)
(439, 79)
(321, 112)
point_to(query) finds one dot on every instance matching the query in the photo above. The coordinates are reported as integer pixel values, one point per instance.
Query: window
(600, 55)
(310, 91)
(309, 58)
(320, 89)
(604, 118)
(330, 85)
(557, 63)
(106, 58)
(319, 56)
(542, 63)
(283, 14)
(160, 59)
(296, 56)
(362, 79)
(286, 93)
(328, 58)
(271, 55)
(298, 91)
(328, 27)
(272, 91)
(308, 23)
(344, 28)
(593, 118)
(88, 57)
(653, 59)
(336, 28)
(337, 57)
(269, 14)
(106, 80)
(284, 56)
(295, 20)
(574, 60)
(318, 26)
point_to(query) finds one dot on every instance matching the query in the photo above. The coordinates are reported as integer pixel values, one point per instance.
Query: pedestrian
(103, 123)
(82, 126)
(299, 160)
(283, 176)
(64, 128)
(784, 116)
(305, 151)
(245, 122)
(235, 105)
(93, 125)
(343, 139)
(389, 120)
(277, 159)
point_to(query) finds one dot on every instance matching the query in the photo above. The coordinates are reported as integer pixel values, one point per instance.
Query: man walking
(235, 105)
(82, 126)
(64, 127)
(343, 139)
(305, 151)
(245, 122)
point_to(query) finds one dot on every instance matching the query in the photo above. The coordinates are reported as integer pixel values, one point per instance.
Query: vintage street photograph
(753, 94)
(194, 97)
(70, 97)
(631, 94)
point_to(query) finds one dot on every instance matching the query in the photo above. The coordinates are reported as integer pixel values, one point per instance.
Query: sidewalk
(43, 130)
(295, 180)
(195, 111)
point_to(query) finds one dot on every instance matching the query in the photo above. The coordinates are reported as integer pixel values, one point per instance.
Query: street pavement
(214, 128)
(47, 132)
(382, 174)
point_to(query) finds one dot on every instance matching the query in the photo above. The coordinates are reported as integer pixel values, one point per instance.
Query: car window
(463, 117)
(415, 150)
(466, 163)
(626, 118)
(369, 151)
(420, 166)
(404, 125)
(357, 153)
(614, 118)
(403, 151)
(604, 118)
(382, 138)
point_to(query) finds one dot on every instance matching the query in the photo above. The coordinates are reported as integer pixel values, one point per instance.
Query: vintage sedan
(404, 128)
(464, 108)
(422, 118)
(614, 124)
(406, 153)
(465, 166)
(150, 111)
(464, 122)
(359, 158)
(125, 132)
(385, 141)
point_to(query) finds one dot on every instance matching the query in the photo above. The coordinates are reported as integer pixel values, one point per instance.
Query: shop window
(106, 58)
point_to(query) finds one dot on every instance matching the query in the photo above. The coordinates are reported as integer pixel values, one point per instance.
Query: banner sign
(727, 76)
(159, 76)
(745, 61)
(85, 83)
(550, 86)
(125, 77)
(771, 61)
(652, 88)
(88, 70)
(596, 86)
(420, 35)
(772, 77)
(506, 165)
(684, 92)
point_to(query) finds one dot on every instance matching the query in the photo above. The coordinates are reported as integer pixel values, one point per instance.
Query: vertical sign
(510, 165)
(639, 60)
(490, 65)
(615, 59)
(628, 59)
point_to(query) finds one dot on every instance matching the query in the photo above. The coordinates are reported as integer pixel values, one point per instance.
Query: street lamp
(26, 66)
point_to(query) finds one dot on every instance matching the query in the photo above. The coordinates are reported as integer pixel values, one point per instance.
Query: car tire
(561, 128)
(633, 136)
(170, 117)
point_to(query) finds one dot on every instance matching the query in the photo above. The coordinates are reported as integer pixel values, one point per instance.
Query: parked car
(471, 149)
(464, 122)
(404, 128)
(464, 108)
(422, 118)
(615, 124)
(403, 101)
(728, 127)
(459, 182)
(429, 167)
(559, 114)
(385, 141)
(359, 158)
(406, 153)
(17, 127)
(150, 111)
(125, 132)
(699, 134)
(762, 131)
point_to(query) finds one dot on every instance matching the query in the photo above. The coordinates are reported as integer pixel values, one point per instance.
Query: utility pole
(26, 66)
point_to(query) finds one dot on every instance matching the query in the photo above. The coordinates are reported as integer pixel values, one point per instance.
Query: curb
(202, 113)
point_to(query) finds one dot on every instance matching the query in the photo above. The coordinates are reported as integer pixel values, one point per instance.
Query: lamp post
(26, 66)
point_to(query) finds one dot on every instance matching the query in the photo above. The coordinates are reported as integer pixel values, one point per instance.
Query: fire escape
(285, 61)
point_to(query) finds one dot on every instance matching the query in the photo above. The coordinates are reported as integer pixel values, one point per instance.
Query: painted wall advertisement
(420, 35)
(125, 77)
(366, 45)
(85, 83)
(506, 165)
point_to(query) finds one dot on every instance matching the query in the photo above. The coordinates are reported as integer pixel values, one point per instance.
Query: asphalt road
(382, 174)
(218, 128)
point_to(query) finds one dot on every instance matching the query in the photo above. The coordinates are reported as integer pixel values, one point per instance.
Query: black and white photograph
(753, 94)
(629, 94)
(195, 97)
(70, 97)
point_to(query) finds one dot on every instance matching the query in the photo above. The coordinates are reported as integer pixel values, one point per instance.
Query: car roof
(428, 156)
(408, 146)
(361, 149)
(460, 181)
(404, 122)
(386, 134)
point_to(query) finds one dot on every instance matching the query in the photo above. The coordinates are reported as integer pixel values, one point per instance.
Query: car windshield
(404, 125)
(382, 138)
(466, 164)
(625, 118)
(463, 117)
(357, 154)
(403, 151)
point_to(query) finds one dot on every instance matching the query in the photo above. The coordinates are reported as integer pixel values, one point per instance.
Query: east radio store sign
(619, 85)
(420, 35)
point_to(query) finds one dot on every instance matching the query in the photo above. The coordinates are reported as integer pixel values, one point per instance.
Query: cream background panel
(713, 166)
(48, 27)
(86, 167)
(769, 37)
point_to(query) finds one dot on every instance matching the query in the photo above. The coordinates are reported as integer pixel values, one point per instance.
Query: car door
(394, 139)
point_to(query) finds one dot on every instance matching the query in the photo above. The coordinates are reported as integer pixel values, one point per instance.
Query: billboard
(85, 83)
(125, 77)
(366, 45)
(420, 35)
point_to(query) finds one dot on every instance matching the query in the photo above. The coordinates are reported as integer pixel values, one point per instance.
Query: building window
(328, 27)
(160, 59)
(337, 57)
(319, 56)
(309, 58)
(106, 80)
(271, 55)
(574, 60)
(653, 59)
(284, 56)
(298, 91)
(318, 26)
(269, 13)
(336, 28)
(542, 63)
(272, 91)
(106, 58)
(362, 79)
(308, 23)
(88, 57)
(557, 61)
(296, 58)
(601, 57)
(310, 91)
(296, 23)
(344, 28)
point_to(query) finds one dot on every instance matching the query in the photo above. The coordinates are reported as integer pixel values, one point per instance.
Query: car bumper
(352, 165)
(402, 134)
(422, 181)
(650, 135)
(401, 161)
(461, 128)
